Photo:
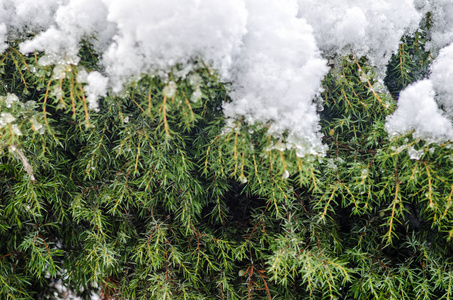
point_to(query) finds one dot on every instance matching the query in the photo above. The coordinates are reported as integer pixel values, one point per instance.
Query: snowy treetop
(274, 52)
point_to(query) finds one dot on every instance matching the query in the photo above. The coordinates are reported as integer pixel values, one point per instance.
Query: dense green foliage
(160, 197)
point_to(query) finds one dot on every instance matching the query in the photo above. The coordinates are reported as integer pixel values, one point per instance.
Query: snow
(6, 118)
(10, 99)
(18, 16)
(418, 111)
(441, 18)
(195, 80)
(419, 105)
(154, 36)
(442, 79)
(170, 89)
(72, 22)
(414, 154)
(273, 51)
(3, 38)
(96, 87)
(278, 73)
(371, 28)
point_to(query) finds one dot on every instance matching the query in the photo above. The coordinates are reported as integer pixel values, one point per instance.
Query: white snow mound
(418, 111)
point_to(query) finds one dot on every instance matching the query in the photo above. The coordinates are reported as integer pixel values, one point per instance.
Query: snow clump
(278, 73)
(97, 87)
(418, 105)
(73, 21)
(442, 79)
(418, 112)
(360, 27)
(154, 36)
(440, 14)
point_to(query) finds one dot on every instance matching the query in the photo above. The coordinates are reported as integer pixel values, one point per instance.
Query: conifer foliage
(157, 195)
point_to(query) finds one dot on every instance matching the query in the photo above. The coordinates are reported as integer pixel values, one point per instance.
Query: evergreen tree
(157, 195)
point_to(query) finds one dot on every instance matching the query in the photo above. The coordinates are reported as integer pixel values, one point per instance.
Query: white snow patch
(414, 154)
(3, 38)
(154, 36)
(371, 28)
(440, 34)
(96, 87)
(278, 73)
(442, 79)
(76, 20)
(418, 111)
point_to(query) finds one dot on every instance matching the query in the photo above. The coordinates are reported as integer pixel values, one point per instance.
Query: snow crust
(273, 51)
